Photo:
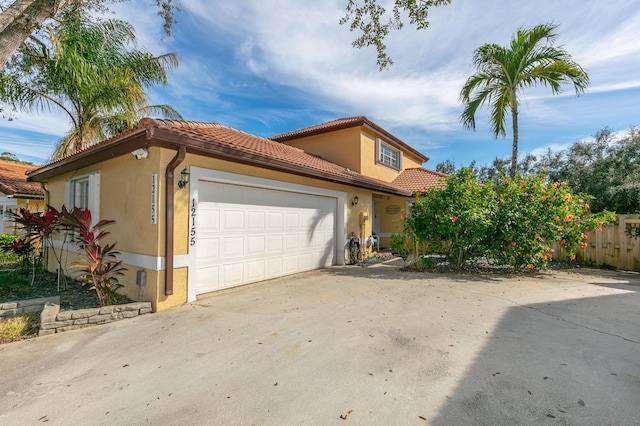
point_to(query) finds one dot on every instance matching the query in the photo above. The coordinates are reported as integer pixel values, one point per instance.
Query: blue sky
(268, 67)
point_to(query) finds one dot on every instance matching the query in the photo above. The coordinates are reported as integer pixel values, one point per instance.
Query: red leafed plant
(99, 267)
(38, 229)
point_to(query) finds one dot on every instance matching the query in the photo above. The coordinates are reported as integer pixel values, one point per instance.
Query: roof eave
(128, 143)
(163, 138)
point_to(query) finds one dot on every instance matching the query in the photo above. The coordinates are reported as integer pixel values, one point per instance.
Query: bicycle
(357, 254)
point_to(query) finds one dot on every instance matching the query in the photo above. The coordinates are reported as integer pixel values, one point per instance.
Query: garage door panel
(290, 264)
(232, 220)
(255, 245)
(275, 243)
(208, 278)
(291, 242)
(275, 267)
(233, 274)
(256, 220)
(247, 234)
(254, 270)
(275, 221)
(209, 248)
(210, 218)
(232, 247)
(291, 221)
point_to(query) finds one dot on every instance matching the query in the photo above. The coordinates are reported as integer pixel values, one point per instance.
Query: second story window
(389, 156)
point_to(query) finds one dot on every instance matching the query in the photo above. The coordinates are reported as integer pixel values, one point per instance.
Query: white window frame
(385, 159)
(72, 197)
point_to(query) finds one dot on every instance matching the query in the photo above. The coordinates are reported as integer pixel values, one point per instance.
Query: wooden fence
(615, 247)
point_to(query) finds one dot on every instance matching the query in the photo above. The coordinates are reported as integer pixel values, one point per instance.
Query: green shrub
(513, 223)
(453, 220)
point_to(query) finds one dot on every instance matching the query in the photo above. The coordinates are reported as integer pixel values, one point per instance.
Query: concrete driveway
(349, 346)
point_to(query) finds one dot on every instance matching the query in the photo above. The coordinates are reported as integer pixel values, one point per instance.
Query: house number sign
(192, 221)
(154, 198)
(392, 209)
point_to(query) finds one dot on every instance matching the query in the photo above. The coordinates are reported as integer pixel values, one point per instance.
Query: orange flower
(586, 206)
(568, 218)
(513, 244)
(573, 257)
(600, 224)
(563, 242)
(544, 198)
(454, 218)
(537, 236)
(584, 245)
(567, 197)
(585, 236)
(526, 194)
(556, 184)
(556, 218)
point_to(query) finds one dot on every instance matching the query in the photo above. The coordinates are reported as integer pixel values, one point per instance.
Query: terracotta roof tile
(13, 180)
(204, 138)
(245, 142)
(329, 126)
(417, 179)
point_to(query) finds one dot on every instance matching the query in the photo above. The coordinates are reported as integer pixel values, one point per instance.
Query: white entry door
(247, 234)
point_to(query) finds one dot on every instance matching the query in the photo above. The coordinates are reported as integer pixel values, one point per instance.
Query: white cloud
(233, 50)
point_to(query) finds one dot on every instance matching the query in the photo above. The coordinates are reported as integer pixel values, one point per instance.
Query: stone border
(19, 307)
(53, 321)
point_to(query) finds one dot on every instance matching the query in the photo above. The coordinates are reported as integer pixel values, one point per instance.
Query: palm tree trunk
(514, 148)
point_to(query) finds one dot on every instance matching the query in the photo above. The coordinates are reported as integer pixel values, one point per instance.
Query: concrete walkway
(348, 345)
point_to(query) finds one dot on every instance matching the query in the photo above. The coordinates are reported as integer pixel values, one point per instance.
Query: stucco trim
(199, 174)
(153, 263)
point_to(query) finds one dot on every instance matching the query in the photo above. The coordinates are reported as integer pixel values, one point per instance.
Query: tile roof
(219, 141)
(242, 142)
(417, 179)
(345, 123)
(13, 180)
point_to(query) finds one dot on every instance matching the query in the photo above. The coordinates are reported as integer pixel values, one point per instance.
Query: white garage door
(247, 234)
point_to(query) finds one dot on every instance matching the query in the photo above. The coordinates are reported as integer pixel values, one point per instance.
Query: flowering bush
(532, 214)
(513, 223)
(453, 220)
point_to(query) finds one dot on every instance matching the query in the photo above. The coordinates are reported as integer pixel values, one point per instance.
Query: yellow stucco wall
(125, 194)
(371, 167)
(355, 149)
(341, 147)
(391, 222)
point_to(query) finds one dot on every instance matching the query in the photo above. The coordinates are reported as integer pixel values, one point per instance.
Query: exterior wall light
(184, 178)
(355, 201)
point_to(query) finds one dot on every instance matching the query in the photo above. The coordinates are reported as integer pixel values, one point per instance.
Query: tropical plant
(503, 72)
(87, 71)
(38, 229)
(99, 266)
(512, 223)
(454, 219)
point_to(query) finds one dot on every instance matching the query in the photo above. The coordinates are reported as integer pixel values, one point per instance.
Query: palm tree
(86, 70)
(503, 72)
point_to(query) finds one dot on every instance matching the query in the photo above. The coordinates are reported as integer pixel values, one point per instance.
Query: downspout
(169, 193)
